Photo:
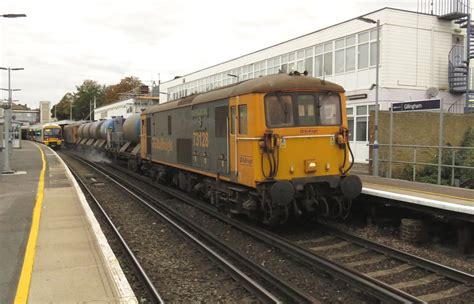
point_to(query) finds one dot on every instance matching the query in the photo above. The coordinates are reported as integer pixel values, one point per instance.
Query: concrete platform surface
(17, 199)
(436, 196)
(71, 259)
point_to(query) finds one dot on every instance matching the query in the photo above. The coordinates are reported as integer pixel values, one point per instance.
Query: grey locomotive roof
(271, 83)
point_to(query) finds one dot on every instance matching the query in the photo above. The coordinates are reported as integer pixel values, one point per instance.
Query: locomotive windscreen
(302, 109)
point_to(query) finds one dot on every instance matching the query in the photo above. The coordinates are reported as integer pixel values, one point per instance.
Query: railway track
(415, 275)
(285, 291)
(139, 270)
(374, 287)
(340, 265)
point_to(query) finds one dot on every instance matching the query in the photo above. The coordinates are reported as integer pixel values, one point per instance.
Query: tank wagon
(269, 148)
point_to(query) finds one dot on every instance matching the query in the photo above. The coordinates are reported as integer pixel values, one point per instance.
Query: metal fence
(416, 163)
(425, 154)
(443, 7)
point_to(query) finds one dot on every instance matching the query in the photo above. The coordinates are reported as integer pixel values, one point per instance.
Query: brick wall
(417, 128)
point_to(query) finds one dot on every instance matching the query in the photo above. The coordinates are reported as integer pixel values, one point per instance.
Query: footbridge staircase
(459, 73)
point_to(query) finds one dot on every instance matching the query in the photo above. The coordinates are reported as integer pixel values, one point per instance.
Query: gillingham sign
(430, 104)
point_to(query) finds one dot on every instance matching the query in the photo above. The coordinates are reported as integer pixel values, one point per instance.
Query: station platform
(52, 248)
(455, 202)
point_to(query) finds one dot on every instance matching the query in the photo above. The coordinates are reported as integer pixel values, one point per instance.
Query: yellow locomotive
(271, 147)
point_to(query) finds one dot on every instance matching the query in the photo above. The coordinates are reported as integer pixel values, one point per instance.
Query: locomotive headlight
(310, 165)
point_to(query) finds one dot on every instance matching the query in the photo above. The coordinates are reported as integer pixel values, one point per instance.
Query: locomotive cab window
(232, 120)
(51, 132)
(330, 109)
(279, 110)
(243, 119)
(302, 109)
(306, 108)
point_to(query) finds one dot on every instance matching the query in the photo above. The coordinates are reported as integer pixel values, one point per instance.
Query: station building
(415, 49)
(125, 108)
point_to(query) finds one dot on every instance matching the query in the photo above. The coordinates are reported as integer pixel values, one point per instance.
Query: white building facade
(45, 112)
(124, 108)
(414, 49)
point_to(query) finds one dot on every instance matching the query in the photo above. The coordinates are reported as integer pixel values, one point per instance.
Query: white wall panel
(414, 52)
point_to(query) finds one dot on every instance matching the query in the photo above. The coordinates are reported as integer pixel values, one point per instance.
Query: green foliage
(84, 97)
(463, 157)
(127, 84)
(62, 108)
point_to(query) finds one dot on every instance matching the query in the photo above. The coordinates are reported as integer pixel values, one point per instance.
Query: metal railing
(415, 162)
(443, 7)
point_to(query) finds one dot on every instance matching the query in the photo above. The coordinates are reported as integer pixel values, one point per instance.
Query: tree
(85, 93)
(62, 109)
(85, 96)
(127, 84)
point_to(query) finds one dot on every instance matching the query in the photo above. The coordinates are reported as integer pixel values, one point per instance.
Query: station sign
(429, 104)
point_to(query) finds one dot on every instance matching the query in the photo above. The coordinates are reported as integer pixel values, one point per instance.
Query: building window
(373, 53)
(308, 65)
(328, 50)
(361, 125)
(358, 51)
(361, 118)
(318, 66)
(339, 62)
(350, 59)
(350, 125)
(363, 58)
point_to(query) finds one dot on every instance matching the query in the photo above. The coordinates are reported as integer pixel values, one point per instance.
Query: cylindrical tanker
(94, 131)
(71, 133)
(80, 131)
(104, 127)
(131, 129)
(87, 130)
(113, 125)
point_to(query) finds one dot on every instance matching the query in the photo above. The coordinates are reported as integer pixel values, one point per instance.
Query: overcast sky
(62, 43)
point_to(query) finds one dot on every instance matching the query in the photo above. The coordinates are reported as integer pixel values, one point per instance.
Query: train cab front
(305, 156)
(52, 137)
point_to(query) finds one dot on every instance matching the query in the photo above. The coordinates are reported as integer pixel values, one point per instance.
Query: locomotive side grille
(184, 147)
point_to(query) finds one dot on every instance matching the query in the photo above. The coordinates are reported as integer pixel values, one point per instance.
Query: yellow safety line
(25, 277)
(421, 191)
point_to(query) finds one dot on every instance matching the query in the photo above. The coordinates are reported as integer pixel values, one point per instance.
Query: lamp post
(7, 115)
(12, 15)
(7, 120)
(376, 122)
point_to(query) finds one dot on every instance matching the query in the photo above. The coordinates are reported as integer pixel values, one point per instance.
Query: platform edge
(122, 285)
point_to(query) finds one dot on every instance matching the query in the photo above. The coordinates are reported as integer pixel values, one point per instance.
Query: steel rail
(451, 273)
(262, 293)
(374, 287)
(139, 269)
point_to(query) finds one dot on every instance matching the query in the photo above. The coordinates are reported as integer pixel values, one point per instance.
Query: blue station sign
(429, 104)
